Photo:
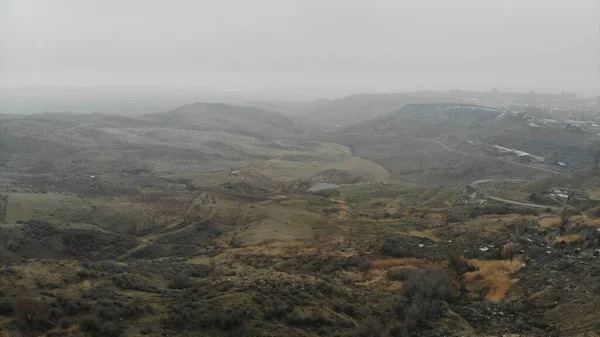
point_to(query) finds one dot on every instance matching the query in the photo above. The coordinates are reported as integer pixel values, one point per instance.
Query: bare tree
(3, 206)
(564, 220)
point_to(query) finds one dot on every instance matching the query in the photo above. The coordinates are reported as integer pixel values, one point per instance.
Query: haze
(318, 46)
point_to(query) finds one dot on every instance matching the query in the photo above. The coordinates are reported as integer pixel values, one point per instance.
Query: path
(146, 240)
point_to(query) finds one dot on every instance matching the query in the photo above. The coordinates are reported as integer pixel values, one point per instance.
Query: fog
(328, 47)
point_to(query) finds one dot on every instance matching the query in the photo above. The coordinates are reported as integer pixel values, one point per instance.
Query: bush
(235, 243)
(369, 328)
(7, 307)
(64, 323)
(426, 292)
(110, 329)
(130, 282)
(364, 264)
(33, 315)
(400, 274)
(71, 306)
(458, 263)
(90, 323)
(180, 282)
(120, 309)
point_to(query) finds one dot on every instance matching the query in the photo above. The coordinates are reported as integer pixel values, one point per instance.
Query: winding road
(449, 149)
(476, 183)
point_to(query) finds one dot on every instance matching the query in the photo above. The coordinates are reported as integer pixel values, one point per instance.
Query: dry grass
(595, 222)
(377, 279)
(568, 238)
(435, 216)
(428, 234)
(546, 223)
(493, 276)
(389, 263)
(286, 170)
(549, 222)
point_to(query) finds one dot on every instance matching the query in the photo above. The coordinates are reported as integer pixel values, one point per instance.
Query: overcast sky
(334, 45)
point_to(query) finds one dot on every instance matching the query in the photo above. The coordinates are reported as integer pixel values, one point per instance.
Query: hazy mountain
(196, 137)
(361, 107)
(218, 116)
(428, 120)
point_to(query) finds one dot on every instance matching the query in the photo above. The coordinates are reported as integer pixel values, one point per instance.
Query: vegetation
(158, 231)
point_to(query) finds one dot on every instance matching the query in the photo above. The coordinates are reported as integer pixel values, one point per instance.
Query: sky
(323, 45)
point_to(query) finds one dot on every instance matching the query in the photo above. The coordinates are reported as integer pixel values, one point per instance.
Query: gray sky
(334, 45)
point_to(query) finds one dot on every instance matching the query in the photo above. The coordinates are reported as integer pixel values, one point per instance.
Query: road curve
(483, 181)
(477, 182)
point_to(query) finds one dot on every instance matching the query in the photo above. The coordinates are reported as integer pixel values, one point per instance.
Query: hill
(429, 120)
(439, 143)
(198, 137)
(225, 117)
(361, 107)
(198, 222)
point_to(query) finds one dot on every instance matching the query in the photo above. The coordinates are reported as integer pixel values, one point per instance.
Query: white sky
(384, 45)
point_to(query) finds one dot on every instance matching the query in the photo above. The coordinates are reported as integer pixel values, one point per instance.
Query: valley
(220, 220)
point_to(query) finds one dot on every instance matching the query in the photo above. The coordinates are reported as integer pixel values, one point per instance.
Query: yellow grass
(595, 222)
(568, 238)
(428, 234)
(549, 222)
(389, 263)
(494, 274)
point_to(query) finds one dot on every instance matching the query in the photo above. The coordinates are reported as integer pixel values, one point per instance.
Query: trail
(343, 210)
(148, 239)
(450, 149)
(184, 212)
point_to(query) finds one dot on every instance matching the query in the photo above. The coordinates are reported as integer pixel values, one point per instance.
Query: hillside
(429, 120)
(198, 137)
(225, 117)
(352, 109)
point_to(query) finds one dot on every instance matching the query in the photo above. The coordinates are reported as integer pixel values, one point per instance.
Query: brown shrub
(508, 251)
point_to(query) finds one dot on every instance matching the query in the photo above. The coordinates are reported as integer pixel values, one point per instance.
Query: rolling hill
(199, 136)
(225, 117)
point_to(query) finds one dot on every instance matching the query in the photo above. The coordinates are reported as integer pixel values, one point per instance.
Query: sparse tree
(3, 206)
(564, 220)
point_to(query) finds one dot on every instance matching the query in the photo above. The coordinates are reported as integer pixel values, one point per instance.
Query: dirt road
(476, 183)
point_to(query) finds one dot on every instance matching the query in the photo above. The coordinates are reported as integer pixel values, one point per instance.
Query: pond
(322, 186)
